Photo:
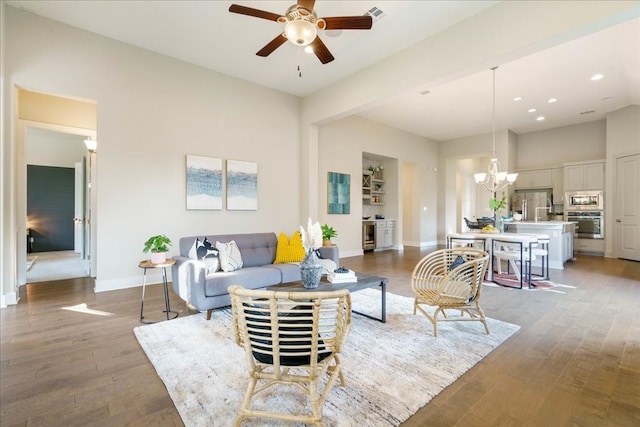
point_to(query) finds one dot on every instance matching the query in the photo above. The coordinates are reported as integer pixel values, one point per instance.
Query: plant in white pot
(158, 246)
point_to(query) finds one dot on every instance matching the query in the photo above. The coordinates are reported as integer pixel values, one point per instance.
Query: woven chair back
(453, 273)
(290, 328)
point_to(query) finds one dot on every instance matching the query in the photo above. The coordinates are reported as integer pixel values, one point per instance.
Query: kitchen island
(560, 238)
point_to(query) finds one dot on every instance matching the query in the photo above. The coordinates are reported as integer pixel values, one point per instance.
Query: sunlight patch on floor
(82, 308)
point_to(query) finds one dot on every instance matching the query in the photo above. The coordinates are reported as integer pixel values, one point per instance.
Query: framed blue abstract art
(242, 185)
(338, 193)
(204, 183)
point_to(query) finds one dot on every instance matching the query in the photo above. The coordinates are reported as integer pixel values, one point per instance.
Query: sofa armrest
(188, 276)
(330, 252)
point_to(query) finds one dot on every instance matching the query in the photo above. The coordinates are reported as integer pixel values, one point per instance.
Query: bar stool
(513, 253)
(541, 249)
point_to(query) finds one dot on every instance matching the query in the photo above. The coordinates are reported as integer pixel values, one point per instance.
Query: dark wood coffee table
(363, 282)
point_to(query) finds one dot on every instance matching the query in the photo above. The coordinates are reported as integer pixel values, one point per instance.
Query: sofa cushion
(249, 277)
(289, 249)
(288, 272)
(230, 257)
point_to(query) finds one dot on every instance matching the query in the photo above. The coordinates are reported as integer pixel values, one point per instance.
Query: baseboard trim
(421, 244)
(129, 282)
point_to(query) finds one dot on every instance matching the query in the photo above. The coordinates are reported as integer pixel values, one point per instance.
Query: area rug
(510, 281)
(392, 369)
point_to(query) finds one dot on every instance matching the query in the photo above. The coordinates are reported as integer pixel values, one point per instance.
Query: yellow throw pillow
(289, 249)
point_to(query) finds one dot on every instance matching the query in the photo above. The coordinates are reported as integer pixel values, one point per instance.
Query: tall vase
(310, 270)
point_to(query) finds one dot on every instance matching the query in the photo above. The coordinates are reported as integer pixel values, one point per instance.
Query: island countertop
(560, 235)
(539, 223)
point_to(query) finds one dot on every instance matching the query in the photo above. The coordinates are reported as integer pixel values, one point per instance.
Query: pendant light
(494, 180)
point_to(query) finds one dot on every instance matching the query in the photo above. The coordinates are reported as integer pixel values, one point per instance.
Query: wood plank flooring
(575, 361)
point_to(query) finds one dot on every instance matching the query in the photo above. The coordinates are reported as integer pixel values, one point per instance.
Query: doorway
(56, 208)
(627, 208)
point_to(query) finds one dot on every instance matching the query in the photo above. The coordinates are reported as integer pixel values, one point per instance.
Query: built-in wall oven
(589, 224)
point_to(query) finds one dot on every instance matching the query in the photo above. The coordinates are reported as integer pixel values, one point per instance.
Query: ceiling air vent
(582, 113)
(376, 14)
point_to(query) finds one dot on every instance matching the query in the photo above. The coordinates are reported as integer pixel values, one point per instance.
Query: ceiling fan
(301, 25)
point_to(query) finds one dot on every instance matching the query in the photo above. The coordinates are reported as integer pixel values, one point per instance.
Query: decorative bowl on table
(366, 217)
(517, 217)
(489, 229)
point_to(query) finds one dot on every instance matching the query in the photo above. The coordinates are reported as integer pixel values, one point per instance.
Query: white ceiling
(206, 34)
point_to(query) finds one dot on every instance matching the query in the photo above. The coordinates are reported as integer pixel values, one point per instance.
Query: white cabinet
(589, 246)
(567, 247)
(558, 186)
(384, 234)
(587, 176)
(534, 179)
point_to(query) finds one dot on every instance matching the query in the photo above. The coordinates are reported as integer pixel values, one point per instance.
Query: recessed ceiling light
(308, 49)
(540, 118)
(597, 77)
(552, 100)
(517, 98)
(532, 110)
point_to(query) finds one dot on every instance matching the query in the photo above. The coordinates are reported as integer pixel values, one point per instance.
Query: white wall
(552, 147)
(45, 148)
(152, 111)
(623, 138)
(341, 145)
(456, 175)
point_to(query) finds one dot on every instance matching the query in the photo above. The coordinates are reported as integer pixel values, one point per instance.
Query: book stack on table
(348, 277)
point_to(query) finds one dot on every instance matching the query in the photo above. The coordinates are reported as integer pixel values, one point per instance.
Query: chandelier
(494, 180)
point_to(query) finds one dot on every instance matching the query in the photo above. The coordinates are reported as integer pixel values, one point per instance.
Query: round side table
(146, 264)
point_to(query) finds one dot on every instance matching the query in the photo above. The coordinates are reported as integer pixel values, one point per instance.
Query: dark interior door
(50, 203)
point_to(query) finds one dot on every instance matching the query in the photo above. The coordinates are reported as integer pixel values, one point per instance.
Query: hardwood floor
(574, 362)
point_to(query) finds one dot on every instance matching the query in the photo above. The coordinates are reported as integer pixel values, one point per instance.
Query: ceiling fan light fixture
(300, 32)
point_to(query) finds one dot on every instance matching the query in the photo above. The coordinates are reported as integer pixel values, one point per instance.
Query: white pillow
(230, 257)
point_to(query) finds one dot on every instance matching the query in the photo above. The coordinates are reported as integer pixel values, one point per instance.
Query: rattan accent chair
(442, 280)
(290, 339)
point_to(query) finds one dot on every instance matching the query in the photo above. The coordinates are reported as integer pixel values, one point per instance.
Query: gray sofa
(205, 292)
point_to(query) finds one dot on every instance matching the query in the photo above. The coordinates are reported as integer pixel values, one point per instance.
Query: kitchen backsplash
(372, 211)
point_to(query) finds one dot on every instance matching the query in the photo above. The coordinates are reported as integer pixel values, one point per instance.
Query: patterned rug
(388, 377)
(513, 281)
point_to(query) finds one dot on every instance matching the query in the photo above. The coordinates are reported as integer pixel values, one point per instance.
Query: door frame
(617, 209)
(21, 191)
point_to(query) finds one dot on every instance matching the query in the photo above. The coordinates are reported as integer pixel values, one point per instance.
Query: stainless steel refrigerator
(527, 202)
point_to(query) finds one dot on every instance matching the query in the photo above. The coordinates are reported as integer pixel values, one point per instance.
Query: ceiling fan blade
(272, 45)
(349, 23)
(321, 51)
(307, 4)
(244, 10)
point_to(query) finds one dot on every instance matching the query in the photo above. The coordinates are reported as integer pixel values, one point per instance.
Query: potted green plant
(158, 246)
(496, 205)
(327, 234)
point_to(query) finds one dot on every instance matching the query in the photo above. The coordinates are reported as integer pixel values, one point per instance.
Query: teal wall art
(338, 193)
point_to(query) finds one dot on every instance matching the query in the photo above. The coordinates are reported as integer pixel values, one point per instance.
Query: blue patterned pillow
(205, 252)
(459, 261)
